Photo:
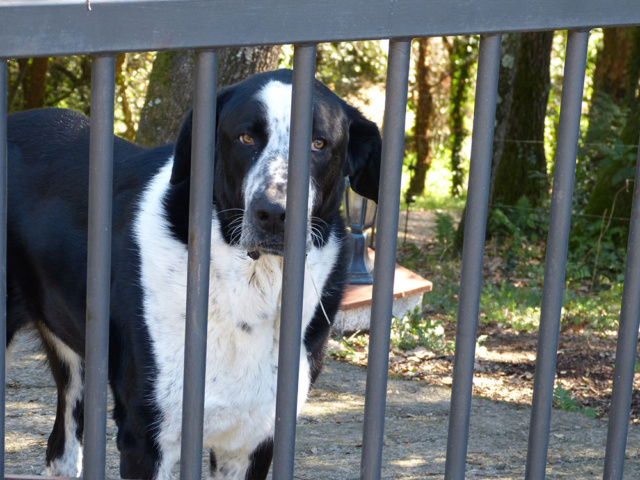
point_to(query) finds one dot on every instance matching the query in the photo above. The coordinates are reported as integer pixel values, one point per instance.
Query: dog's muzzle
(263, 229)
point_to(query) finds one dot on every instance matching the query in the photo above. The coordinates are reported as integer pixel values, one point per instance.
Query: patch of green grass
(598, 311)
(512, 287)
(418, 330)
(512, 305)
(563, 400)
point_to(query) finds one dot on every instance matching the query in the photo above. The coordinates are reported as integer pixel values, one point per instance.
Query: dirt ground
(330, 429)
(329, 434)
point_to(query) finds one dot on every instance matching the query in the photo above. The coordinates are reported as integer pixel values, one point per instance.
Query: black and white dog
(47, 250)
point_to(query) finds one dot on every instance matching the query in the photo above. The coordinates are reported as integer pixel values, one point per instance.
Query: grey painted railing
(30, 28)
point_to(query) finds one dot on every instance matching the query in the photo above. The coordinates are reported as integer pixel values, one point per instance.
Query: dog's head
(252, 154)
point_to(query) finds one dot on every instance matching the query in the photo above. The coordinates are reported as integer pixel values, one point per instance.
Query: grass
(511, 292)
(563, 400)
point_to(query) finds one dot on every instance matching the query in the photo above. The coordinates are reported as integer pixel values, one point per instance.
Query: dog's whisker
(318, 220)
(231, 210)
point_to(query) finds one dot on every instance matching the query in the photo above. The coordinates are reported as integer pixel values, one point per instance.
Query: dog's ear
(363, 155)
(182, 155)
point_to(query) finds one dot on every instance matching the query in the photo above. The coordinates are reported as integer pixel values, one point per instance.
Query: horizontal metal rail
(35, 28)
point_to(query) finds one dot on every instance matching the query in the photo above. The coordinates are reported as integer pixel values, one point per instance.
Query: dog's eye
(246, 139)
(317, 144)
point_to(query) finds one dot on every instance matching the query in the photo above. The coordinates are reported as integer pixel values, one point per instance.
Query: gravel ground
(330, 430)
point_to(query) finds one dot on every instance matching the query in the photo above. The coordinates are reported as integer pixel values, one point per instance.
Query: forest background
(154, 92)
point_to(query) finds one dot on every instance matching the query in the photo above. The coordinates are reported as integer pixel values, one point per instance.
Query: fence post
(384, 269)
(304, 66)
(3, 248)
(556, 258)
(98, 265)
(472, 254)
(200, 201)
(626, 348)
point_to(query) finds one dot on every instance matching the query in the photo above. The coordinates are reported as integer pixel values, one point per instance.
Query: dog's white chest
(242, 353)
(242, 337)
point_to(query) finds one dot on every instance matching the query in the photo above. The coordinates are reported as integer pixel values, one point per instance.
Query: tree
(614, 122)
(424, 109)
(521, 168)
(348, 68)
(165, 105)
(463, 53)
(49, 82)
(518, 150)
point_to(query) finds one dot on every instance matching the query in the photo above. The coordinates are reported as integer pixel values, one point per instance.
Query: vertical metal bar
(556, 257)
(626, 348)
(3, 247)
(98, 265)
(386, 243)
(304, 65)
(472, 254)
(200, 201)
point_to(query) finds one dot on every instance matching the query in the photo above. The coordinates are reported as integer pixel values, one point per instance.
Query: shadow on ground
(329, 434)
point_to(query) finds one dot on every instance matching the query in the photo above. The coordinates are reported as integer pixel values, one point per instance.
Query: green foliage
(445, 230)
(347, 67)
(597, 251)
(563, 400)
(521, 221)
(463, 53)
(597, 244)
(511, 305)
(518, 228)
(600, 312)
(418, 330)
(444, 273)
(68, 83)
(438, 186)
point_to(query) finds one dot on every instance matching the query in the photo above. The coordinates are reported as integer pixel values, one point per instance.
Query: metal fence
(31, 28)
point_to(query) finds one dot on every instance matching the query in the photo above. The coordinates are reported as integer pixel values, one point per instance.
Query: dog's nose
(270, 216)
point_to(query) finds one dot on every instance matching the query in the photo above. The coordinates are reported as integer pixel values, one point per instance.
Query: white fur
(70, 463)
(242, 338)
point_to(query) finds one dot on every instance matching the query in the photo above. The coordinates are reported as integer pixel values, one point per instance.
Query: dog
(46, 269)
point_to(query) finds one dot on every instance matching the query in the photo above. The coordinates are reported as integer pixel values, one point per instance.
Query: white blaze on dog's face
(265, 187)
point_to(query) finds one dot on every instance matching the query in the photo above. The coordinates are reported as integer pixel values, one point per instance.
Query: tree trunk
(462, 55)
(610, 91)
(170, 92)
(421, 127)
(121, 88)
(508, 67)
(35, 82)
(615, 89)
(522, 166)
